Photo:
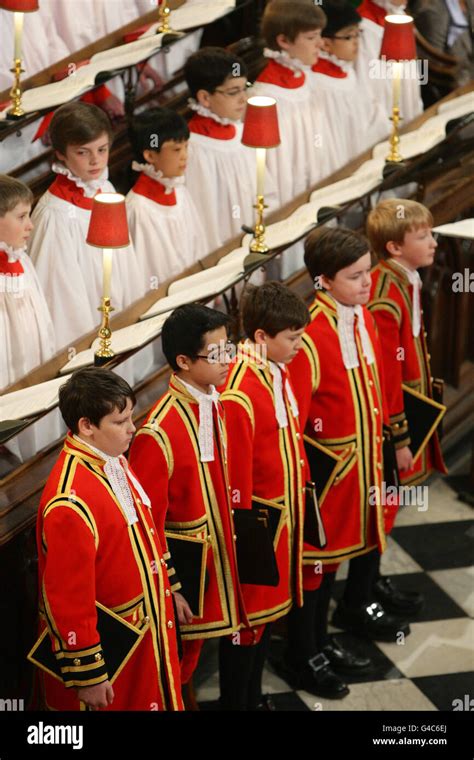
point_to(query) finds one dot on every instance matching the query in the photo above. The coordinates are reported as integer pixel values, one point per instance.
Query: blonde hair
(290, 19)
(13, 192)
(391, 219)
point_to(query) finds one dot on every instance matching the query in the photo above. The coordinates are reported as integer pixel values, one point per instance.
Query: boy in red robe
(98, 543)
(338, 379)
(266, 460)
(180, 455)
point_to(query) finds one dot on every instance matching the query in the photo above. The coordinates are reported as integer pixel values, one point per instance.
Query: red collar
(67, 190)
(282, 76)
(329, 69)
(154, 190)
(204, 125)
(372, 11)
(10, 267)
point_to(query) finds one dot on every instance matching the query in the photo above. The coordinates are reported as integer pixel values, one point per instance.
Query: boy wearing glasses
(180, 456)
(221, 173)
(358, 122)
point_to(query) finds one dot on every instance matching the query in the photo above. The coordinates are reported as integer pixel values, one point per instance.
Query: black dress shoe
(396, 601)
(344, 662)
(315, 677)
(371, 621)
(266, 704)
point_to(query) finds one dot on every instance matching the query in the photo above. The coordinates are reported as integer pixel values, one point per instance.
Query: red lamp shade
(261, 123)
(398, 43)
(20, 6)
(108, 227)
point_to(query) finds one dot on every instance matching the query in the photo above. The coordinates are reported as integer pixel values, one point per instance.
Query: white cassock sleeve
(70, 271)
(167, 239)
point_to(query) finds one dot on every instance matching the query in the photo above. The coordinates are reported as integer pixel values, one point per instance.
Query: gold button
(336, 479)
(98, 657)
(76, 661)
(370, 383)
(235, 537)
(232, 511)
(379, 466)
(162, 561)
(429, 356)
(209, 539)
(169, 623)
(229, 488)
(376, 411)
(298, 436)
(167, 592)
(147, 619)
(138, 502)
(377, 439)
(304, 489)
(302, 462)
(225, 461)
(425, 334)
(152, 531)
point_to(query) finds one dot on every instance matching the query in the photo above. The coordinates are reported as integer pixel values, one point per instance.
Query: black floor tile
(284, 701)
(440, 546)
(438, 604)
(443, 691)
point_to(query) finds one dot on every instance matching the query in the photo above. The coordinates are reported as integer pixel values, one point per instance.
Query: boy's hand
(404, 458)
(185, 616)
(97, 696)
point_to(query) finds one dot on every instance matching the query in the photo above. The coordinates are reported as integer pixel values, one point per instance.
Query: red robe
(192, 498)
(391, 300)
(343, 410)
(269, 462)
(88, 552)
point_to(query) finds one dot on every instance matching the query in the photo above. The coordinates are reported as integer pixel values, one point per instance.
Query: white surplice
(70, 271)
(167, 238)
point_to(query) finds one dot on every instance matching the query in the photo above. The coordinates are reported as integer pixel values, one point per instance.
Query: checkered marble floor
(430, 550)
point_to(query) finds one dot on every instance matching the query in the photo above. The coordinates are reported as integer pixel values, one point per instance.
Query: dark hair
(272, 307)
(327, 250)
(78, 123)
(184, 330)
(93, 393)
(151, 129)
(210, 67)
(339, 14)
(13, 192)
(290, 17)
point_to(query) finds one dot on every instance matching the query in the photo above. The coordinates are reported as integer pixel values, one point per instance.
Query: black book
(189, 556)
(313, 530)
(118, 639)
(256, 530)
(390, 467)
(423, 415)
(323, 466)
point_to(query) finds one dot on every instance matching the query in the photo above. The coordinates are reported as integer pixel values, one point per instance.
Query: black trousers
(240, 672)
(307, 625)
(363, 573)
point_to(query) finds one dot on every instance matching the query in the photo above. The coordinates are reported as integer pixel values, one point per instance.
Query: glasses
(235, 91)
(218, 355)
(348, 37)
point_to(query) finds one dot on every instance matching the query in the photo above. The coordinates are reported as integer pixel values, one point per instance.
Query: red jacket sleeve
(69, 592)
(240, 442)
(304, 374)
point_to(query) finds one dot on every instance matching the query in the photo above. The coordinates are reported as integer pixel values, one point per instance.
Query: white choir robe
(411, 104)
(27, 341)
(166, 231)
(221, 177)
(70, 271)
(357, 119)
(308, 152)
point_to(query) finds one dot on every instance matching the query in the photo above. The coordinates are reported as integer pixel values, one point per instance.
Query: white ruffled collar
(91, 188)
(396, 10)
(206, 112)
(13, 254)
(282, 57)
(346, 66)
(169, 183)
